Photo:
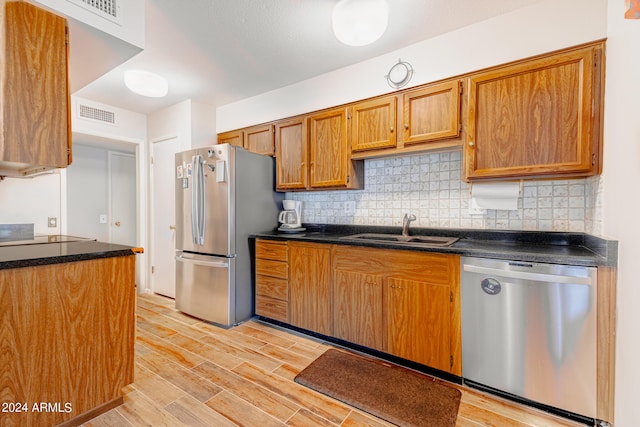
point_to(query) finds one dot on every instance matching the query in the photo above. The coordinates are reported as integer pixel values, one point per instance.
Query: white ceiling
(220, 51)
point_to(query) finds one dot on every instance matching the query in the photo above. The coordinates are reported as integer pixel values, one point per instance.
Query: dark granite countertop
(55, 253)
(532, 246)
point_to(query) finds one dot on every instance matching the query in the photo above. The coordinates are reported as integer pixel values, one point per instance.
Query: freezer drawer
(204, 287)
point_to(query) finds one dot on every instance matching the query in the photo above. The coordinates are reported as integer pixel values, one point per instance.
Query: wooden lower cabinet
(272, 280)
(400, 302)
(357, 308)
(67, 340)
(418, 322)
(310, 286)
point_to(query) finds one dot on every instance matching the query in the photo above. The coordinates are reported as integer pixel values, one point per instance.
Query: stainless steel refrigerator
(223, 194)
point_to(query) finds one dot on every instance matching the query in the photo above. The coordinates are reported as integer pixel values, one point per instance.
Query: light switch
(103, 219)
(52, 222)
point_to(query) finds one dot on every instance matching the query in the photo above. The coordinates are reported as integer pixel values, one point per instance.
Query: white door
(163, 264)
(122, 199)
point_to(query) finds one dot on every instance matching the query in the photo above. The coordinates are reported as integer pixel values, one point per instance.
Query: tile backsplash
(431, 187)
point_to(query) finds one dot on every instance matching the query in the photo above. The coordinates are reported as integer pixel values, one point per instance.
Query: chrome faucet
(406, 221)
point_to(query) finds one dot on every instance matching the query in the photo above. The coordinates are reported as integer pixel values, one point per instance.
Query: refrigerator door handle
(197, 201)
(194, 201)
(219, 264)
(202, 201)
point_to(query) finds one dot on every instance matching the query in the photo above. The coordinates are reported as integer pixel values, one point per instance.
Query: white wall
(621, 203)
(32, 201)
(540, 28)
(193, 123)
(129, 126)
(87, 192)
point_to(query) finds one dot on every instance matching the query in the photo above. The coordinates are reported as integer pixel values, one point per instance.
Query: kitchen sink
(398, 239)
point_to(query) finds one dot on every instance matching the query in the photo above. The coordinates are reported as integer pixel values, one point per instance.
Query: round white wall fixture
(360, 22)
(400, 74)
(146, 83)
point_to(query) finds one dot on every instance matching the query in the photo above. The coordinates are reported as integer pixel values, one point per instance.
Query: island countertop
(31, 255)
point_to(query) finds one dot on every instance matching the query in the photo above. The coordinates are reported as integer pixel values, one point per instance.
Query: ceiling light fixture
(360, 22)
(146, 83)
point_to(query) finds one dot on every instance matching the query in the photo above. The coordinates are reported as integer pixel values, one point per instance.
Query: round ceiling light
(146, 83)
(360, 22)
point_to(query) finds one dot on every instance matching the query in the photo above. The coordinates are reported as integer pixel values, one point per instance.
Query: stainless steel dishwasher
(529, 330)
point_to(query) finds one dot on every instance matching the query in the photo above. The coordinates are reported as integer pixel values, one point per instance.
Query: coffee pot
(290, 217)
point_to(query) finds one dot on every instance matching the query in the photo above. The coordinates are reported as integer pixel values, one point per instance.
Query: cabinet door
(535, 118)
(35, 104)
(310, 287)
(431, 113)
(259, 139)
(329, 149)
(357, 308)
(234, 137)
(419, 322)
(291, 155)
(373, 124)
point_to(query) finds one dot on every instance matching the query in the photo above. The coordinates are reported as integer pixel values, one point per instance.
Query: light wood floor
(194, 374)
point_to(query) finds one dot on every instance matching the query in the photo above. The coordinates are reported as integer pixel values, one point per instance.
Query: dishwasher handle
(528, 275)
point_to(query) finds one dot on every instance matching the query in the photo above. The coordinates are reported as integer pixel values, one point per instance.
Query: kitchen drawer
(272, 308)
(266, 267)
(272, 287)
(276, 251)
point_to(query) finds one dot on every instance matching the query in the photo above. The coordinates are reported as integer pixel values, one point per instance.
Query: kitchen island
(67, 331)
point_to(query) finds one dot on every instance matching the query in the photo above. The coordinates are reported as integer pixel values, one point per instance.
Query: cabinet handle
(396, 287)
(471, 143)
(406, 126)
(391, 130)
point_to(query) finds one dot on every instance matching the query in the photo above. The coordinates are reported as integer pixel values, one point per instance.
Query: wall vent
(96, 114)
(108, 9)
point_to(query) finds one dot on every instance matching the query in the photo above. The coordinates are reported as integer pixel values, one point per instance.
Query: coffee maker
(290, 217)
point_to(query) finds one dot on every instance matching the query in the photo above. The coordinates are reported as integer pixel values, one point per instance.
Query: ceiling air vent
(108, 9)
(96, 114)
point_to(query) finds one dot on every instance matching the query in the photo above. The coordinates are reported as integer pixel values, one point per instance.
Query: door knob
(117, 223)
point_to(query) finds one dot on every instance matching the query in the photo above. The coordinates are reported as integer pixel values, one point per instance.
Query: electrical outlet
(350, 207)
(52, 222)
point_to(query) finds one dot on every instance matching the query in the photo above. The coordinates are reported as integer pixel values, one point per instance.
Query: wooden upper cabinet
(431, 113)
(330, 163)
(260, 139)
(373, 124)
(536, 118)
(234, 137)
(35, 121)
(310, 286)
(291, 154)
